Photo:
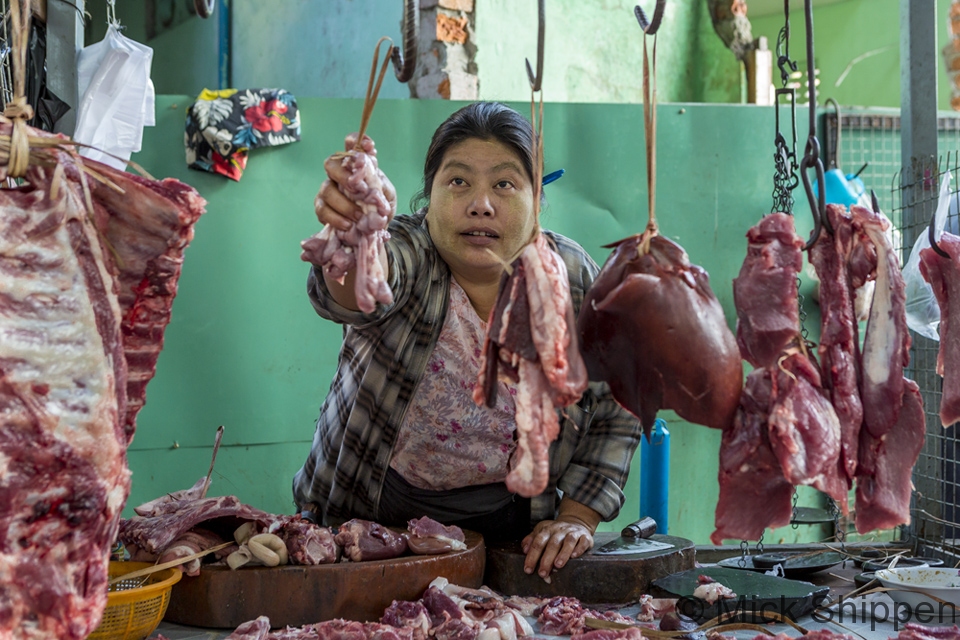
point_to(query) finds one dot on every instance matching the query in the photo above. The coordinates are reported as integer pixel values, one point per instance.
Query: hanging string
(112, 14)
(17, 110)
(536, 120)
(373, 90)
(650, 128)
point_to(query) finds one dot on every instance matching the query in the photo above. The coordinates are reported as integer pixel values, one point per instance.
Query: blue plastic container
(655, 475)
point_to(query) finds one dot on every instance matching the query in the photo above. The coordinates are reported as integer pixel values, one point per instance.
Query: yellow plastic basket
(136, 606)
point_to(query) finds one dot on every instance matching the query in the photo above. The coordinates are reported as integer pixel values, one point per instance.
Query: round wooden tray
(298, 595)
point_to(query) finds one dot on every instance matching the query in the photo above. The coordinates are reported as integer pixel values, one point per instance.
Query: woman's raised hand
(331, 206)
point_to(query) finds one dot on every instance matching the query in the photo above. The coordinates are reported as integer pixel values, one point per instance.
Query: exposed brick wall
(446, 67)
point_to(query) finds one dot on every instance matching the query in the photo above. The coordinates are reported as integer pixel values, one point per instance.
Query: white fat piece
(881, 341)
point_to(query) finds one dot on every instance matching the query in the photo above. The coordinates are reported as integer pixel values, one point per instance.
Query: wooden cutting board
(593, 579)
(299, 595)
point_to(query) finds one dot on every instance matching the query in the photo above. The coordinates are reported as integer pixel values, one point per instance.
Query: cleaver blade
(624, 546)
(634, 539)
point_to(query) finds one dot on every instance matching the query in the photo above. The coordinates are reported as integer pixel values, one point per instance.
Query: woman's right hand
(334, 208)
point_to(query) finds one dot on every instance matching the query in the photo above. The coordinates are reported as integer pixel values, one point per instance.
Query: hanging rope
(373, 88)
(112, 14)
(17, 110)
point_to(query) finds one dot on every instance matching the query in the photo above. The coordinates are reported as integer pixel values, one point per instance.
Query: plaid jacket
(383, 357)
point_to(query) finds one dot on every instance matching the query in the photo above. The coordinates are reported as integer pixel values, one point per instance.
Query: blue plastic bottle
(655, 475)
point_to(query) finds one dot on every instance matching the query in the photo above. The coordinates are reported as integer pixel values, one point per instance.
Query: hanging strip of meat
(883, 494)
(838, 350)
(943, 274)
(754, 494)
(765, 292)
(530, 340)
(886, 344)
(652, 328)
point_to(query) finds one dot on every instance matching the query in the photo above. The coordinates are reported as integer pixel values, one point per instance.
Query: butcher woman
(399, 435)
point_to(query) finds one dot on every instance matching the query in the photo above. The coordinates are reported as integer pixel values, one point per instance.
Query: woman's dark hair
(482, 120)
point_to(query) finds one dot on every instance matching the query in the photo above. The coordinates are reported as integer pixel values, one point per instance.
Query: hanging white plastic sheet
(117, 97)
(923, 310)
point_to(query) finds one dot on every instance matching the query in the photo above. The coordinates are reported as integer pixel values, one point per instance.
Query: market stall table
(839, 579)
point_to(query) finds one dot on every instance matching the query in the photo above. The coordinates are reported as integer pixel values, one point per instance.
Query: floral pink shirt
(446, 441)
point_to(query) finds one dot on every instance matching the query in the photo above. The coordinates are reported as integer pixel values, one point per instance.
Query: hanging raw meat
(652, 328)
(804, 429)
(839, 349)
(754, 495)
(886, 466)
(530, 340)
(880, 412)
(90, 259)
(339, 252)
(886, 343)
(765, 292)
(943, 274)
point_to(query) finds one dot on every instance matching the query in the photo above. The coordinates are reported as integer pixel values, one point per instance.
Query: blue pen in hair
(550, 177)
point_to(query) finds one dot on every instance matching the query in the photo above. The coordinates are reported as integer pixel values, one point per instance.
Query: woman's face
(481, 201)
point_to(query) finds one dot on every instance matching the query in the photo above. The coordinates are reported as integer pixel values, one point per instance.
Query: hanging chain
(794, 523)
(744, 547)
(838, 530)
(760, 544)
(785, 177)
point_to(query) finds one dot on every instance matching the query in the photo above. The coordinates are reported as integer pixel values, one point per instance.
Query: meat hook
(811, 154)
(405, 61)
(536, 80)
(933, 236)
(204, 8)
(818, 206)
(650, 26)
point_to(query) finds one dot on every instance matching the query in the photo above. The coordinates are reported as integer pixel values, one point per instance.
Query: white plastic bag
(923, 312)
(117, 97)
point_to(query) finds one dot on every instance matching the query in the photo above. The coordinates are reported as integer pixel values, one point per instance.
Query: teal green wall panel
(244, 348)
(593, 52)
(847, 30)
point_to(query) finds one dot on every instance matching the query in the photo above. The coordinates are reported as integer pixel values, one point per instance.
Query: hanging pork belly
(90, 258)
(530, 340)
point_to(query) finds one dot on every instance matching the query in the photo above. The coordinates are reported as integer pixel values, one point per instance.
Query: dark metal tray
(757, 593)
(795, 565)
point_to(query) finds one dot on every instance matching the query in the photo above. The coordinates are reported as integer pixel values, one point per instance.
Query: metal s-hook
(811, 153)
(818, 207)
(650, 26)
(204, 8)
(405, 61)
(536, 80)
(933, 236)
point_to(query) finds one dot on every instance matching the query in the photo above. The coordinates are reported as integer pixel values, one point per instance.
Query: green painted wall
(593, 52)
(846, 30)
(245, 349)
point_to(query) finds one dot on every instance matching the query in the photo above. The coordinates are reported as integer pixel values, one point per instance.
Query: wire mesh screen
(6, 48)
(868, 142)
(935, 478)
